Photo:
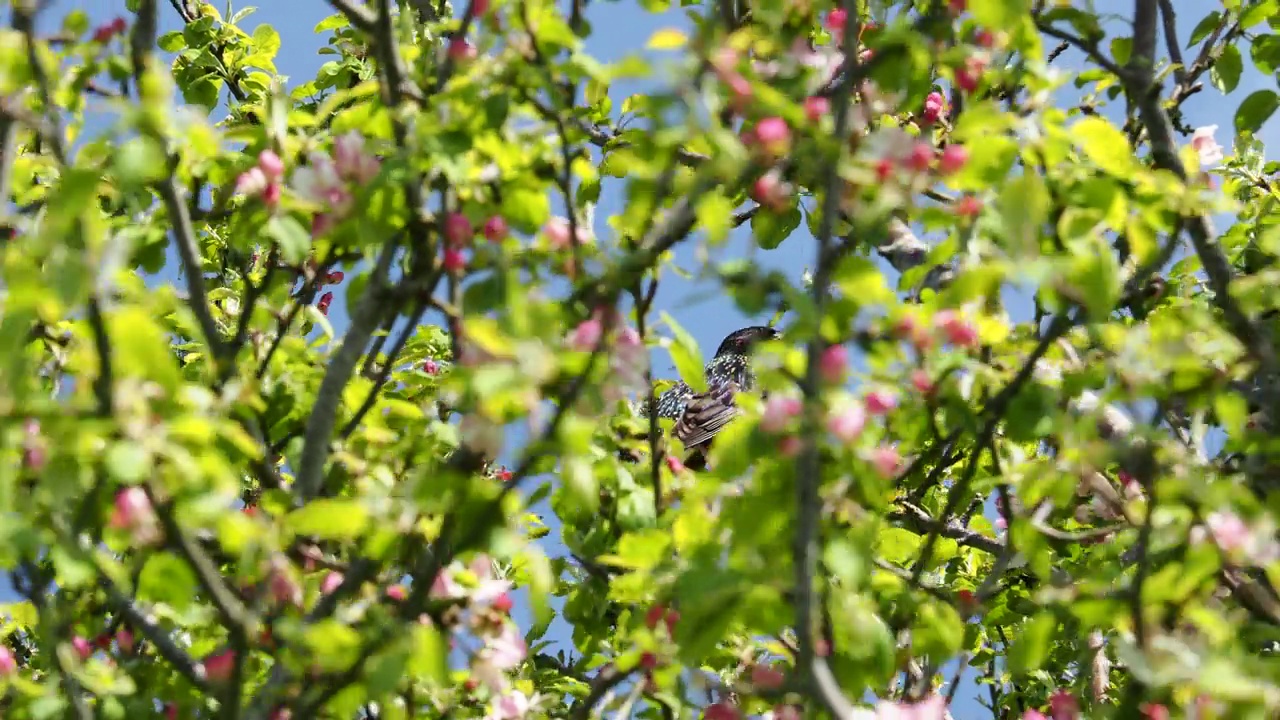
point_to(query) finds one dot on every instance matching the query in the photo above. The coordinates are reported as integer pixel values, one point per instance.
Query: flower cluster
(628, 357)
(330, 182)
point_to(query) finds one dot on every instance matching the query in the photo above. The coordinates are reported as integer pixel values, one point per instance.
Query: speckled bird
(700, 416)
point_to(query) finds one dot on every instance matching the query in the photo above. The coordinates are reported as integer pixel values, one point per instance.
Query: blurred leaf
(329, 519)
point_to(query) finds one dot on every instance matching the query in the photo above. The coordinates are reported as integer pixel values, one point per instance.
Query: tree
(218, 506)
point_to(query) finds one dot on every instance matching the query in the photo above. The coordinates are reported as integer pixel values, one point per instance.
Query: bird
(700, 416)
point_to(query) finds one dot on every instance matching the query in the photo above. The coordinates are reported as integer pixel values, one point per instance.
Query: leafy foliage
(218, 502)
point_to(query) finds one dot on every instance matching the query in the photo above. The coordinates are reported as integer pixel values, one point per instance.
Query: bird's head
(741, 341)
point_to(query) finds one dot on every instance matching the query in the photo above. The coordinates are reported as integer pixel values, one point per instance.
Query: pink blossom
(958, 331)
(773, 134)
(933, 707)
(251, 182)
(351, 161)
(271, 195)
(458, 230)
(219, 665)
(444, 586)
(586, 337)
(284, 589)
(133, 512)
(834, 363)
(1206, 146)
(460, 50)
(789, 446)
(557, 233)
(430, 367)
(934, 108)
(489, 588)
(103, 33)
(495, 229)
(397, 592)
(953, 159)
(770, 191)
(815, 107)
(886, 460)
(321, 183)
(479, 8)
(767, 677)
(835, 21)
(454, 260)
(1033, 715)
(271, 164)
(124, 639)
(512, 705)
(921, 381)
(778, 410)
(82, 647)
(8, 663)
(881, 402)
(1063, 706)
(332, 581)
(1229, 531)
(848, 422)
(674, 464)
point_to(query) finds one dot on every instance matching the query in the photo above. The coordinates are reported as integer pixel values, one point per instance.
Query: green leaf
(770, 228)
(714, 212)
(1225, 73)
(1265, 53)
(999, 13)
(1204, 27)
(333, 646)
(430, 654)
(168, 580)
(525, 209)
(172, 41)
(139, 161)
(1024, 207)
(128, 462)
(1031, 646)
(1105, 145)
(71, 571)
(266, 40)
(686, 356)
(1256, 109)
(329, 518)
(293, 239)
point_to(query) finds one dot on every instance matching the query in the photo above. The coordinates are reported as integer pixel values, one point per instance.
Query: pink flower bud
(271, 194)
(586, 336)
(778, 411)
(479, 8)
(770, 191)
(8, 663)
(454, 260)
(460, 50)
(921, 381)
(920, 157)
(332, 580)
(398, 593)
(967, 207)
(323, 303)
(722, 711)
(458, 230)
(834, 363)
(430, 367)
(953, 159)
(1063, 706)
(132, 510)
(886, 461)
(124, 640)
(218, 666)
(835, 21)
(881, 402)
(82, 647)
(773, 135)
(968, 77)
(674, 464)
(957, 330)
(934, 108)
(847, 423)
(495, 229)
(767, 678)
(816, 107)
(271, 164)
(251, 182)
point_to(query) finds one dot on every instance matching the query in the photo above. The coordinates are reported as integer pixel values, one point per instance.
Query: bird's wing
(706, 414)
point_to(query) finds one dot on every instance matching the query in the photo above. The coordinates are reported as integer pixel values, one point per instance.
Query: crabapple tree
(1012, 456)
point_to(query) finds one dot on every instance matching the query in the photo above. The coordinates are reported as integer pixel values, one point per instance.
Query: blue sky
(621, 28)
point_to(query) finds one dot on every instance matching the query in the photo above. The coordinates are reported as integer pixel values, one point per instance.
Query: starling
(700, 416)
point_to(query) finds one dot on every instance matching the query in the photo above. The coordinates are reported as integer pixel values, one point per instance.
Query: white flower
(320, 183)
(1206, 146)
